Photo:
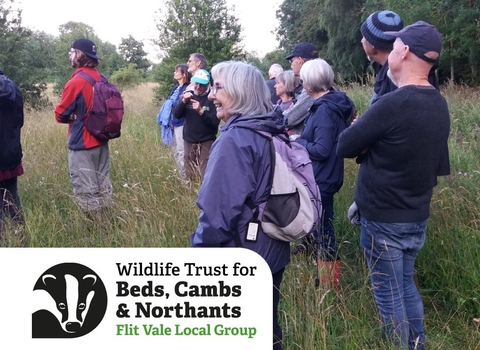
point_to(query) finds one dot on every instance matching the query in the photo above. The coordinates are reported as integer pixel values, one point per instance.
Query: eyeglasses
(215, 88)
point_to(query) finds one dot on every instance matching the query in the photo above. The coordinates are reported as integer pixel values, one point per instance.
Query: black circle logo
(74, 302)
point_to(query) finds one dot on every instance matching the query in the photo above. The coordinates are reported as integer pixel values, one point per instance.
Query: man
(88, 158)
(195, 62)
(11, 121)
(403, 141)
(378, 45)
(200, 126)
(295, 116)
(275, 69)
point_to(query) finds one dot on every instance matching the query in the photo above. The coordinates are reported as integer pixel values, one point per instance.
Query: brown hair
(83, 60)
(183, 68)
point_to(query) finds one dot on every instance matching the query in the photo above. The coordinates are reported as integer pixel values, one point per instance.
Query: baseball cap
(304, 50)
(421, 37)
(87, 46)
(201, 76)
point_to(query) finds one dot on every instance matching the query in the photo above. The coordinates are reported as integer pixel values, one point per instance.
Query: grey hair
(275, 69)
(289, 80)
(317, 74)
(200, 58)
(244, 85)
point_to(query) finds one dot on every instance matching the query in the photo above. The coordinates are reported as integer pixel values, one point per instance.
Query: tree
(18, 56)
(187, 26)
(331, 25)
(127, 77)
(133, 53)
(299, 21)
(341, 19)
(205, 26)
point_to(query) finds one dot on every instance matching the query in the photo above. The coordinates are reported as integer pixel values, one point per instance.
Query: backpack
(105, 119)
(293, 207)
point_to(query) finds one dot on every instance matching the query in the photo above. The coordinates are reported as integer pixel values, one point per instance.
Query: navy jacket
(327, 119)
(239, 168)
(11, 121)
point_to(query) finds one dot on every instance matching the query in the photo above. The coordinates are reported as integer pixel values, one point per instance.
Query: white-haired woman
(329, 116)
(238, 171)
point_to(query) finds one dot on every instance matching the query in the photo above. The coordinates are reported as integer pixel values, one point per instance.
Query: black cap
(421, 37)
(304, 50)
(87, 46)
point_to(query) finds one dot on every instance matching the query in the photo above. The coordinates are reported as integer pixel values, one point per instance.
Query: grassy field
(154, 208)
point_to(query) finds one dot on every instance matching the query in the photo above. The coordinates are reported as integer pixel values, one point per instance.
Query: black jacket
(198, 128)
(11, 121)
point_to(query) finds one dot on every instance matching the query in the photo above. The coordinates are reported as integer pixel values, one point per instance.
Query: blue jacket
(239, 168)
(175, 121)
(327, 119)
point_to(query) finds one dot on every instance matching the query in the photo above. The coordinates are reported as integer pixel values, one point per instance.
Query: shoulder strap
(269, 137)
(90, 79)
(249, 201)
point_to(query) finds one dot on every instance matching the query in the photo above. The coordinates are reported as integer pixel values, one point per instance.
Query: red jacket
(77, 99)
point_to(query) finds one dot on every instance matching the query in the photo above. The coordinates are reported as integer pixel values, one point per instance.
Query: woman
(285, 83)
(328, 117)
(238, 171)
(182, 76)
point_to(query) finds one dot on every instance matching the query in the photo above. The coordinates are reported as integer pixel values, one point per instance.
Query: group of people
(400, 144)
(191, 116)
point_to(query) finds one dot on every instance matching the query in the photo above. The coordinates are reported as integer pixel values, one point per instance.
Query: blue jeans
(390, 250)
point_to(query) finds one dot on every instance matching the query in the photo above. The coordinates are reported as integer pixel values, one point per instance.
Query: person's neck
(414, 79)
(285, 98)
(381, 57)
(317, 95)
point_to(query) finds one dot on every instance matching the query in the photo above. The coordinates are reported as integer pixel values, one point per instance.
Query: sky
(113, 20)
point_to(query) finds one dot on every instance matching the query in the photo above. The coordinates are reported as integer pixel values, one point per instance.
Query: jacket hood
(7, 88)
(337, 101)
(271, 122)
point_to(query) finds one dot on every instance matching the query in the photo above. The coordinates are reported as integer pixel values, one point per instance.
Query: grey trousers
(90, 177)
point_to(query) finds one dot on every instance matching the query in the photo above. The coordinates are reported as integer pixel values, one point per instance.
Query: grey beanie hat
(379, 22)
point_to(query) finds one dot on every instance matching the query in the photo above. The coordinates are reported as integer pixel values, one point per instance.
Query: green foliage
(69, 32)
(163, 73)
(205, 26)
(133, 53)
(332, 26)
(127, 77)
(188, 26)
(20, 51)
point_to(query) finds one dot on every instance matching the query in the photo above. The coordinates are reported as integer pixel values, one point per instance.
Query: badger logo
(72, 301)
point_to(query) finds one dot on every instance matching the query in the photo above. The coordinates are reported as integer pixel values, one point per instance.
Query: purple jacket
(239, 168)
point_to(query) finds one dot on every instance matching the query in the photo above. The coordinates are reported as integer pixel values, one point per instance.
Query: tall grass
(155, 208)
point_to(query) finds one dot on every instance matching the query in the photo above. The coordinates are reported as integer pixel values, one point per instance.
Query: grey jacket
(295, 116)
